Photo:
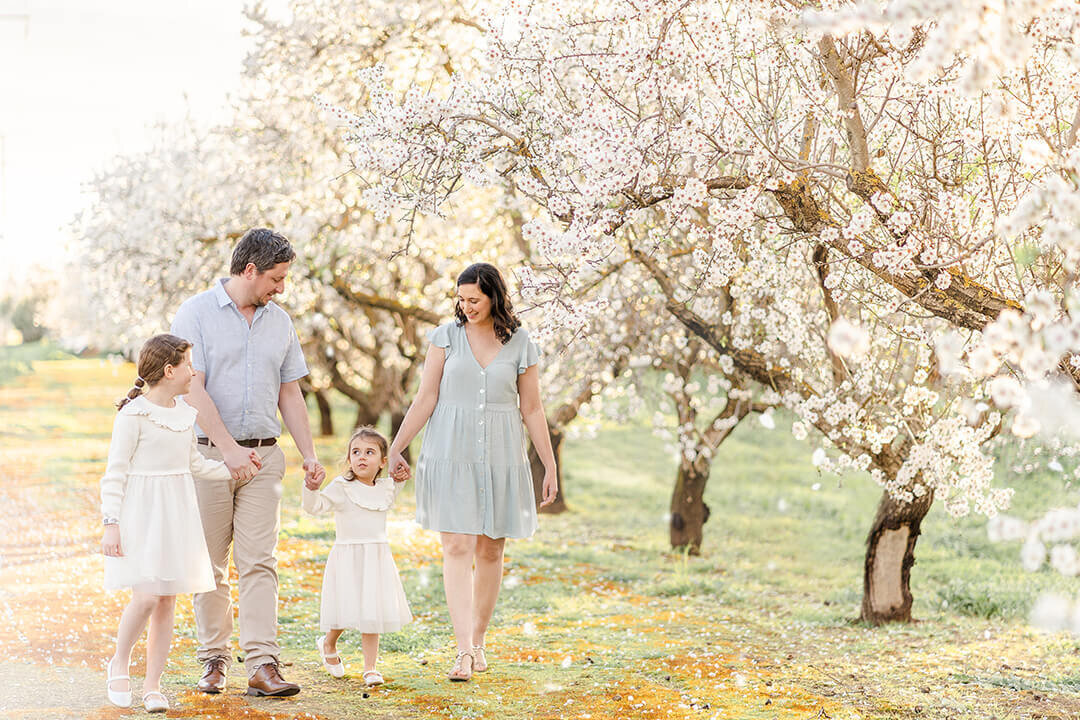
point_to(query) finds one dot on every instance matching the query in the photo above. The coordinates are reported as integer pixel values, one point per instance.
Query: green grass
(597, 607)
(16, 360)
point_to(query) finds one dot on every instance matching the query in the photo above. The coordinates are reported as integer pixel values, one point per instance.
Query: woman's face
(474, 303)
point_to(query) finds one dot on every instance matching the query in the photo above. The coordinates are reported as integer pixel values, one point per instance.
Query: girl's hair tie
(139, 382)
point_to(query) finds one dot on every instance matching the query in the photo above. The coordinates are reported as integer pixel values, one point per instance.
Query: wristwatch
(110, 520)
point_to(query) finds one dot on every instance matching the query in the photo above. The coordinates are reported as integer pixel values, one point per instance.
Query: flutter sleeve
(204, 467)
(125, 438)
(325, 501)
(530, 354)
(440, 336)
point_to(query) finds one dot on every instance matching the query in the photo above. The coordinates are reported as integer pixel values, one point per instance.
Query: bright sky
(81, 80)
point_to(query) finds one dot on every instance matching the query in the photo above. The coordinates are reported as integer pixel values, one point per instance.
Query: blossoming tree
(726, 146)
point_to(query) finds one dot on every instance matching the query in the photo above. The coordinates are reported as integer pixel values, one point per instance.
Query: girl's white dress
(361, 588)
(148, 486)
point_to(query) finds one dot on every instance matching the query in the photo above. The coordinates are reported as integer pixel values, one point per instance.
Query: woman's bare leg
(486, 583)
(458, 553)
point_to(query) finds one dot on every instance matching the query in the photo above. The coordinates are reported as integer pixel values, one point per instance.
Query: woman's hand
(397, 468)
(110, 543)
(550, 488)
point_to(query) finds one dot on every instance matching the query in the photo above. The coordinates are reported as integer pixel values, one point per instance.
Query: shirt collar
(223, 298)
(219, 293)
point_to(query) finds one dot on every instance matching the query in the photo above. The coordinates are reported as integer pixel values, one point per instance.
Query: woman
(473, 482)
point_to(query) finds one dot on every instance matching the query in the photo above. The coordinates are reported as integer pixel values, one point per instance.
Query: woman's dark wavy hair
(491, 283)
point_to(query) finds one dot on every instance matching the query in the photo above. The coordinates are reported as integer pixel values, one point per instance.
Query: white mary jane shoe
(155, 701)
(120, 698)
(338, 670)
(373, 678)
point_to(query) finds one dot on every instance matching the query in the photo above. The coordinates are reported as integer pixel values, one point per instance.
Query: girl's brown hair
(368, 433)
(156, 353)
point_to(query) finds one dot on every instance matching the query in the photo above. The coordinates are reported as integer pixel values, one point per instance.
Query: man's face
(265, 285)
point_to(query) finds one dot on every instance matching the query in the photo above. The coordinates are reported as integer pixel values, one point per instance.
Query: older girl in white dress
(361, 588)
(153, 540)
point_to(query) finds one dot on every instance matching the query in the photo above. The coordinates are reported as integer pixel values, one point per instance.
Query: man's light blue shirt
(244, 366)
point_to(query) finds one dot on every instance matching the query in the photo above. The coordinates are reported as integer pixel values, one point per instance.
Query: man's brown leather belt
(254, 442)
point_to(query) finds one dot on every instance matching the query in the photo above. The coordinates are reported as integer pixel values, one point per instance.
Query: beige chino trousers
(245, 515)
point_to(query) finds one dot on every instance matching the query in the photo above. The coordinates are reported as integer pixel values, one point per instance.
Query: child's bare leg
(132, 622)
(158, 640)
(370, 643)
(330, 645)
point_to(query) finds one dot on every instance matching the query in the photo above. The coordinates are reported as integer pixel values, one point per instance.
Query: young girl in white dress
(153, 540)
(361, 588)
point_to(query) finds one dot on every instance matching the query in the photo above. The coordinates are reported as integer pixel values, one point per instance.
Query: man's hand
(313, 473)
(239, 461)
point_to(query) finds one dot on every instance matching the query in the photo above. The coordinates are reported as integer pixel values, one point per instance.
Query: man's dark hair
(262, 246)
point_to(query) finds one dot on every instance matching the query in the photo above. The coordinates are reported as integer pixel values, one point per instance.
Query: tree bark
(890, 553)
(365, 416)
(326, 421)
(537, 467)
(396, 418)
(689, 513)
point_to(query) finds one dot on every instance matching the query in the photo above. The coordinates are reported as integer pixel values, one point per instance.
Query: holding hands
(399, 470)
(242, 463)
(314, 473)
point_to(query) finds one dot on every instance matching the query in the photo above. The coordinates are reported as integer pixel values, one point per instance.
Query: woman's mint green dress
(473, 475)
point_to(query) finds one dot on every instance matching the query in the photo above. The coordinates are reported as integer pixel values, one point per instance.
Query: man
(248, 363)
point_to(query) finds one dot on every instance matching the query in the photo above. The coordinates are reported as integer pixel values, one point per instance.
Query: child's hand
(110, 543)
(312, 482)
(255, 460)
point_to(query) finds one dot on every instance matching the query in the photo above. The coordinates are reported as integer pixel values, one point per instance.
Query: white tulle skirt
(362, 590)
(161, 538)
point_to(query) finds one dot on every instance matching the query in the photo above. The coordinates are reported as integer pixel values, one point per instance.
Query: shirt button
(481, 391)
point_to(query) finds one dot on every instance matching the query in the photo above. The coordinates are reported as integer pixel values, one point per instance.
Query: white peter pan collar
(379, 496)
(179, 418)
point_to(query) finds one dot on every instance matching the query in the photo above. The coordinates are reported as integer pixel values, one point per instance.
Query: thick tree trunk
(326, 422)
(890, 553)
(689, 513)
(396, 418)
(365, 416)
(537, 468)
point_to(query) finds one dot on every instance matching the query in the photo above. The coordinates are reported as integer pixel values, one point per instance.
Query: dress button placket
(480, 433)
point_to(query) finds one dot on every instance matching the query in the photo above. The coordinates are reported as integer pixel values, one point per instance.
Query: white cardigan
(150, 440)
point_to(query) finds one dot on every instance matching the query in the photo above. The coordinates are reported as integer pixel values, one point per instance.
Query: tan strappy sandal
(480, 663)
(458, 672)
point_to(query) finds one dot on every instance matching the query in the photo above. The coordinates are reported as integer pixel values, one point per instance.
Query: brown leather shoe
(213, 677)
(267, 680)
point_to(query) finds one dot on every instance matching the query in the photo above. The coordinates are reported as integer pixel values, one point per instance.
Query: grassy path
(596, 619)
